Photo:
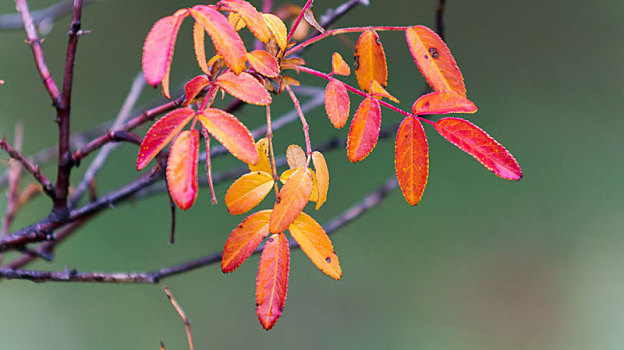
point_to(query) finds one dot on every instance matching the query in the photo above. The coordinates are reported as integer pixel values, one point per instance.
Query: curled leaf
(476, 142)
(272, 280)
(252, 18)
(244, 239)
(295, 157)
(226, 40)
(291, 199)
(194, 87)
(364, 130)
(159, 46)
(434, 60)
(232, 134)
(199, 46)
(378, 91)
(248, 191)
(411, 159)
(339, 66)
(308, 15)
(322, 178)
(316, 245)
(182, 169)
(278, 28)
(370, 61)
(244, 87)
(159, 135)
(264, 164)
(337, 103)
(443, 102)
(263, 63)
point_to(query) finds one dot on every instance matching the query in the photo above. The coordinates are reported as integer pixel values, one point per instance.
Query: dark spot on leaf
(264, 236)
(258, 173)
(257, 304)
(270, 239)
(378, 41)
(240, 226)
(426, 57)
(328, 259)
(357, 62)
(426, 104)
(278, 199)
(434, 52)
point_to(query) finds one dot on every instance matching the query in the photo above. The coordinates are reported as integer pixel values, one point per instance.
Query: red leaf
(316, 244)
(263, 63)
(474, 141)
(226, 40)
(370, 60)
(159, 135)
(244, 87)
(272, 280)
(182, 168)
(411, 159)
(364, 130)
(232, 134)
(443, 102)
(291, 200)
(244, 239)
(194, 87)
(251, 16)
(337, 103)
(159, 45)
(434, 60)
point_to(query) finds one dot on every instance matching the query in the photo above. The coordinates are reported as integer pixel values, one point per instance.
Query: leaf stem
(306, 127)
(299, 18)
(31, 168)
(269, 136)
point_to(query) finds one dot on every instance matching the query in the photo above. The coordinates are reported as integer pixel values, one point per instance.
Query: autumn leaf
(159, 135)
(370, 61)
(248, 191)
(316, 245)
(244, 87)
(364, 130)
(232, 134)
(378, 91)
(337, 103)
(263, 63)
(252, 18)
(244, 239)
(322, 178)
(434, 60)
(226, 40)
(199, 47)
(272, 280)
(194, 87)
(474, 141)
(277, 28)
(339, 66)
(291, 200)
(159, 46)
(295, 157)
(262, 148)
(411, 159)
(182, 168)
(236, 21)
(443, 102)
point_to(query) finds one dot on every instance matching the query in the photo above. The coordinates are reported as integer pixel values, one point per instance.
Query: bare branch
(15, 174)
(30, 167)
(40, 17)
(187, 323)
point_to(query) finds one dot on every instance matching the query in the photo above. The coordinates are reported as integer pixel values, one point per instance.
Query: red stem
(304, 123)
(298, 20)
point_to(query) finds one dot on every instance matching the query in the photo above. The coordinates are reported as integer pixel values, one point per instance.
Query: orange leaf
(200, 48)
(262, 147)
(252, 18)
(434, 60)
(232, 134)
(182, 168)
(277, 28)
(370, 60)
(263, 63)
(272, 280)
(194, 87)
(316, 244)
(291, 200)
(159, 135)
(159, 45)
(248, 191)
(322, 178)
(314, 195)
(339, 66)
(244, 239)
(474, 141)
(443, 102)
(226, 40)
(337, 103)
(364, 130)
(378, 90)
(411, 159)
(244, 87)
(295, 157)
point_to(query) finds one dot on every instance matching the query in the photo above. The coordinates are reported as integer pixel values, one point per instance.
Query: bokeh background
(480, 263)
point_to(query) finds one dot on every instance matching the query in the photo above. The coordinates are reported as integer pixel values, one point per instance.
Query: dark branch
(31, 168)
(46, 15)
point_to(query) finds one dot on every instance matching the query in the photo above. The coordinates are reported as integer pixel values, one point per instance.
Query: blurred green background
(480, 263)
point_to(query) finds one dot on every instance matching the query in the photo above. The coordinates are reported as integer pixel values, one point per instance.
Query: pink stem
(306, 127)
(298, 20)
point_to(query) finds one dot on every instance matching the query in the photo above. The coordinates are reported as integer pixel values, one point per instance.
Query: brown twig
(46, 15)
(15, 174)
(187, 323)
(304, 123)
(368, 202)
(30, 168)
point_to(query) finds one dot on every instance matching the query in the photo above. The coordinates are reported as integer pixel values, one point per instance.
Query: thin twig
(39, 17)
(440, 18)
(304, 123)
(187, 323)
(307, 5)
(15, 174)
(368, 202)
(30, 168)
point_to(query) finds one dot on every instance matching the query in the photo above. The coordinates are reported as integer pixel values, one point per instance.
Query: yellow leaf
(277, 28)
(316, 244)
(339, 66)
(378, 90)
(264, 164)
(248, 191)
(322, 178)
